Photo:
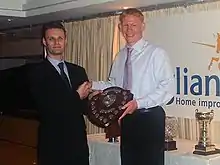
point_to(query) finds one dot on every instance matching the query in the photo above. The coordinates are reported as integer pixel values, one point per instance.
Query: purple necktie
(127, 79)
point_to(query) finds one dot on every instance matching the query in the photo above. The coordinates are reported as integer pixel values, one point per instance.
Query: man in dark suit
(59, 90)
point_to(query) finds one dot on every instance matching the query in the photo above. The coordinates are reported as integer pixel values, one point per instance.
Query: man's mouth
(130, 35)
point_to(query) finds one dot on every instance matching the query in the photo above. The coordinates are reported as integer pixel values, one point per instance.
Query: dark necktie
(63, 74)
(127, 79)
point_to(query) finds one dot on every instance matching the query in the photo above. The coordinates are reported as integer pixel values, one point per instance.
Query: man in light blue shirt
(145, 70)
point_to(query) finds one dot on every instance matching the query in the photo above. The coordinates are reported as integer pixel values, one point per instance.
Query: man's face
(54, 41)
(132, 28)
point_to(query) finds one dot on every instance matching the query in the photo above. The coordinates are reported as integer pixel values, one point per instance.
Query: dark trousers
(142, 137)
(67, 157)
(77, 161)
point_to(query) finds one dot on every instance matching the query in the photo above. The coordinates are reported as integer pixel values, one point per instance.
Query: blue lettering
(195, 84)
(185, 70)
(178, 80)
(207, 84)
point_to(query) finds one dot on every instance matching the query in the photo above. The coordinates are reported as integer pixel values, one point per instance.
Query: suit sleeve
(38, 85)
(84, 103)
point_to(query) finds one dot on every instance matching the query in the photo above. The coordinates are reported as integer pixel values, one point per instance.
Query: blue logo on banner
(196, 85)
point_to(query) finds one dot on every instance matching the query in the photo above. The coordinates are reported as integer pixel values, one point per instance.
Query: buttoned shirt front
(152, 75)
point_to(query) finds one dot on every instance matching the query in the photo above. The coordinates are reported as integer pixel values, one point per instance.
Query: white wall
(37, 7)
(176, 34)
(12, 8)
(24, 8)
(12, 4)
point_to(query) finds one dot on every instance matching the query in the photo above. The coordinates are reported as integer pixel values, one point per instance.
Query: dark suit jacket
(14, 91)
(62, 132)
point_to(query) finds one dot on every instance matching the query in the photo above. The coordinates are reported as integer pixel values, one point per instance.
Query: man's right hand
(84, 90)
(94, 92)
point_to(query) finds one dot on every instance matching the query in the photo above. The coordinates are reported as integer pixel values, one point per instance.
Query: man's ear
(143, 26)
(65, 35)
(44, 42)
(120, 27)
(65, 40)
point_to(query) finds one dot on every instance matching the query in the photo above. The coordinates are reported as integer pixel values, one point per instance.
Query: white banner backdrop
(193, 44)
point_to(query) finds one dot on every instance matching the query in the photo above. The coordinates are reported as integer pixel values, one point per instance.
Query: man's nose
(56, 42)
(129, 27)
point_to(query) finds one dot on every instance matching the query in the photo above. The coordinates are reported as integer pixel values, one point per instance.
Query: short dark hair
(52, 25)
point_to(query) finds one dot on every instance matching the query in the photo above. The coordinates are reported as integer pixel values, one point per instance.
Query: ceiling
(31, 12)
(50, 10)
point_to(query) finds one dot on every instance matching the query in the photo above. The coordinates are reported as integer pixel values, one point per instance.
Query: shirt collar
(138, 45)
(53, 61)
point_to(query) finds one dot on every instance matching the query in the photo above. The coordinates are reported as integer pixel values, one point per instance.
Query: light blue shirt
(152, 75)
(55, 63)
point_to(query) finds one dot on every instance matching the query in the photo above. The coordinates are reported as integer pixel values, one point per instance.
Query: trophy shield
(106, 108)
(171, 127)
(204, 146)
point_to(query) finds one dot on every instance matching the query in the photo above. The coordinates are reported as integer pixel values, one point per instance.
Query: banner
(192, 41)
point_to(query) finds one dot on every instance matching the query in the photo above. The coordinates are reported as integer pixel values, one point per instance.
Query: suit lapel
(71, 77)
(51, 67)
(53, 72)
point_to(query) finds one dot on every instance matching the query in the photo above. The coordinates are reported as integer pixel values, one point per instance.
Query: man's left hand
(130, 107)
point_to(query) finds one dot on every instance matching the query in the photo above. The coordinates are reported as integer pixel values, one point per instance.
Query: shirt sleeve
(164, 76)
(101, 85)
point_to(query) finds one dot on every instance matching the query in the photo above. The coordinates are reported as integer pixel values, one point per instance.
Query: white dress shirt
(152, 75)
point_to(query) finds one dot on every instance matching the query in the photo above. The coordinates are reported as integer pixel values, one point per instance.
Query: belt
(144, 110)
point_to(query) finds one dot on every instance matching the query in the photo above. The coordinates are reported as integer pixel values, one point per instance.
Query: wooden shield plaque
(106, 107)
